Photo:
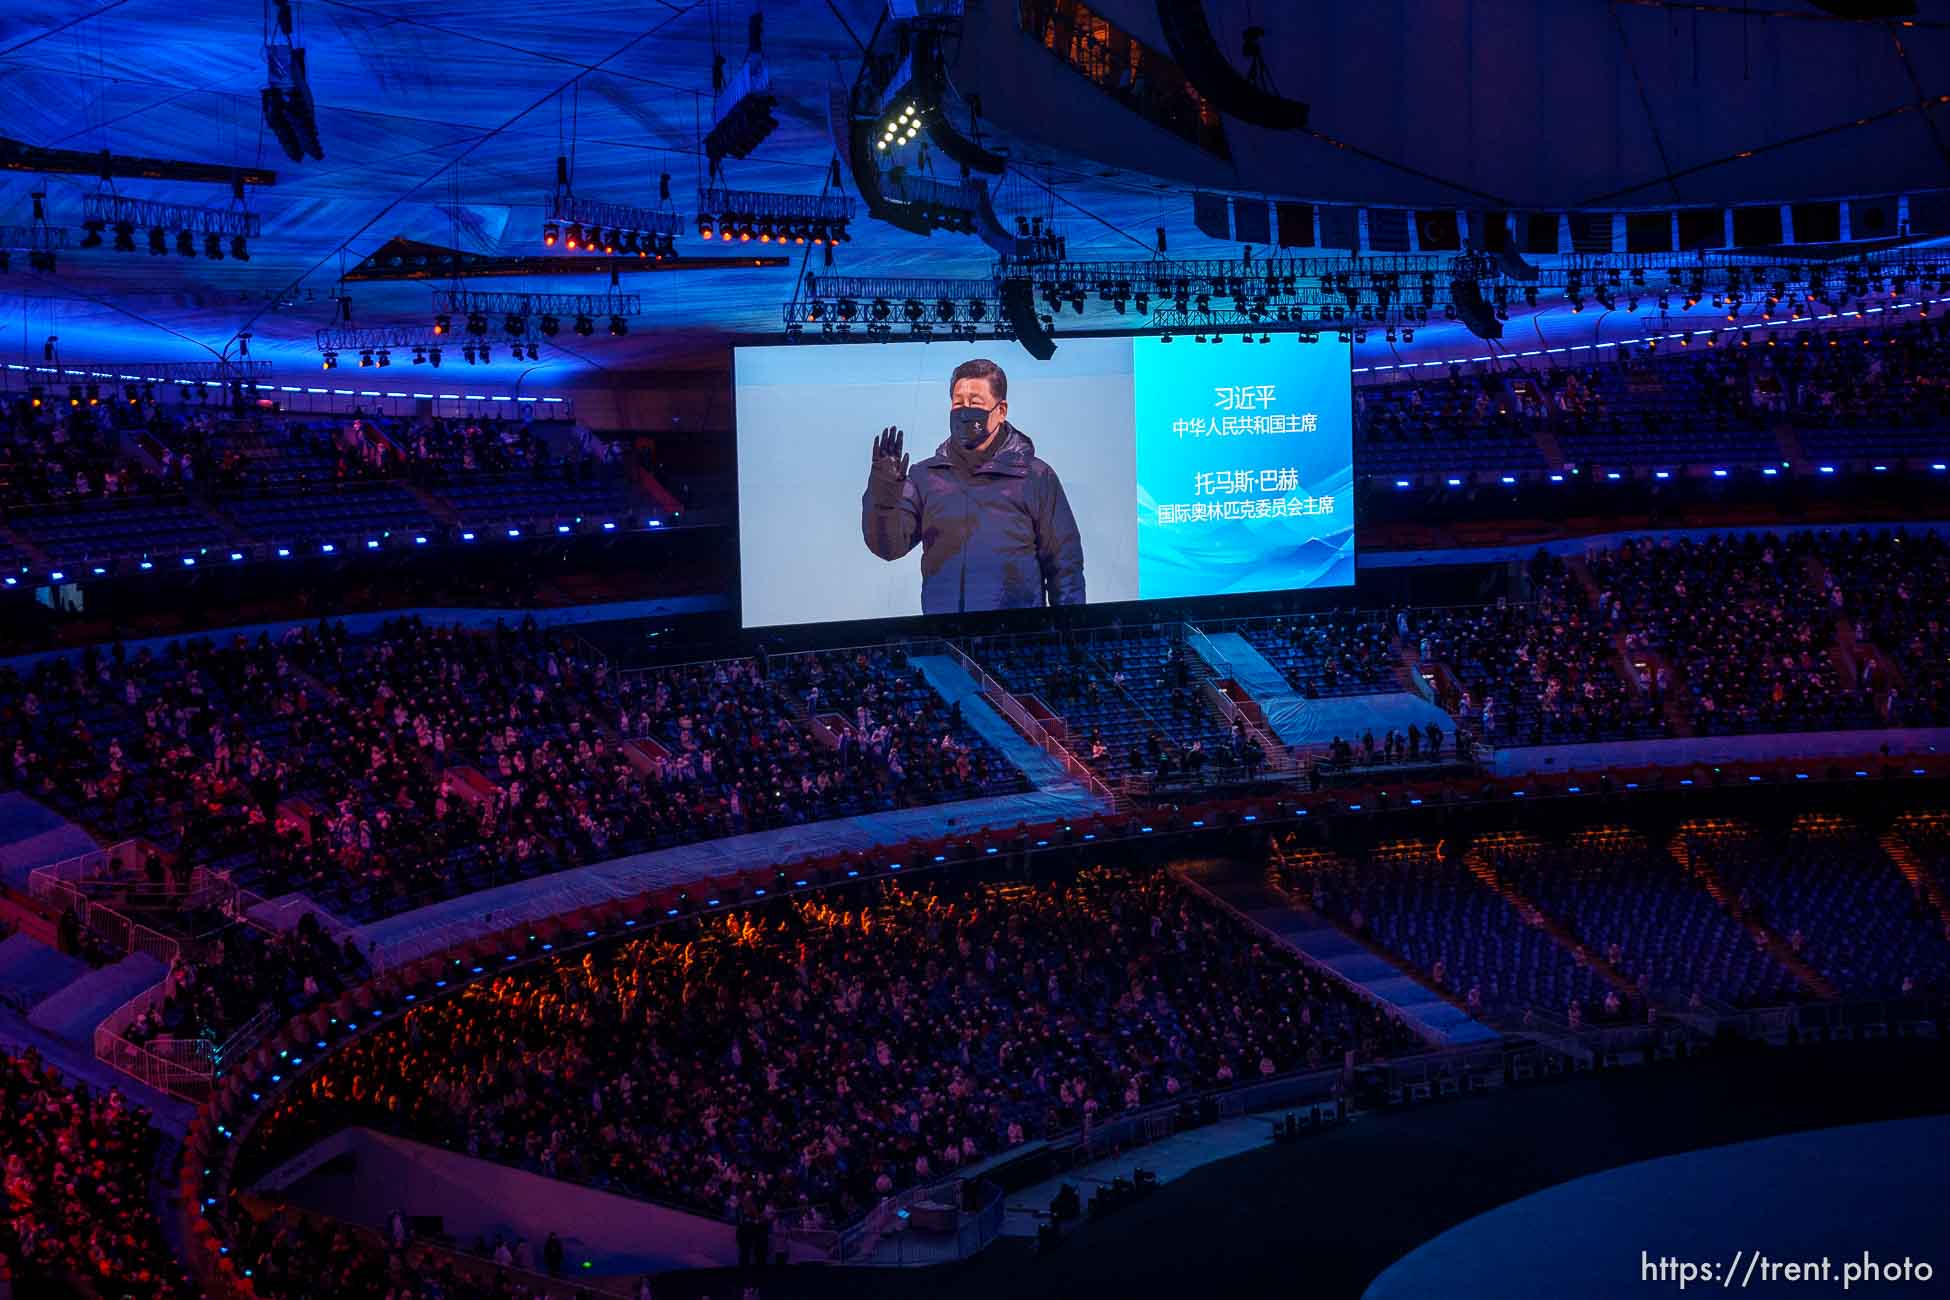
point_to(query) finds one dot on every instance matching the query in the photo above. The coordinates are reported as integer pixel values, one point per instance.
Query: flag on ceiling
(1209, 214)
(1252, 221)
(1340, 228)
(1296, 225)
(1388, 230)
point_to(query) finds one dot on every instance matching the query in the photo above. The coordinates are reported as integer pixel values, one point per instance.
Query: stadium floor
(1325, 1217)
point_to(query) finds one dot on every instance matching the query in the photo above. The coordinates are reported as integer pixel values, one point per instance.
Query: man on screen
(994, 527)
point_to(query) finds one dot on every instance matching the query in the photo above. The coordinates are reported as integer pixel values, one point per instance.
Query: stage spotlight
(331, 362)
(584, 326)
(551, 235)
(703, 227)
(534, 353)
(124, 237)
(442, 324)
(549, 326)
(476, 324)
(467, 353)
(419, 356)
(239, 249)
(158, 241)
(213, 246)
(185, 244)
(385, 357)
(485, 353)
(573, 240)
(880, 310)
(515, 325)
(977, 309)
(93, 239)
(433, 357)
(365, 360)
(911, 310)
(617, 327)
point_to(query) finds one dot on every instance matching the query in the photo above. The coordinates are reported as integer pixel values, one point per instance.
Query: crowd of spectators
(1888, 587)
(425, 761)
(1540, 672)
(77, 1166)
(820, 1053)
(220, 984)
(1745, 622)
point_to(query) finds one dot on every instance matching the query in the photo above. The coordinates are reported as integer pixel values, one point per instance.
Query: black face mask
(968, 425)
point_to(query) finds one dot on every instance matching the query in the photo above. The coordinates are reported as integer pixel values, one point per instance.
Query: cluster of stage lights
(731, 228)
(608, 243)
(95, 232)
(881, 311)
(900, 129)
(516, 327)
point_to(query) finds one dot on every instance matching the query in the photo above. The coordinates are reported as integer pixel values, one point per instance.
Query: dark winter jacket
(1000, 537)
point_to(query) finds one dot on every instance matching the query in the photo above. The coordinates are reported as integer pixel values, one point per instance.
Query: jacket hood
(1011, 456)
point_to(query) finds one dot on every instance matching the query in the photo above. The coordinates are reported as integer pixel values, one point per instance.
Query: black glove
(889, 466)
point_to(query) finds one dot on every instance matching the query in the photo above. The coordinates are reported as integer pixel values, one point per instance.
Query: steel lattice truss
(114, 209)
(461, 302)
(568, 209)
(753, 205)
(33, 239)
(387, 337)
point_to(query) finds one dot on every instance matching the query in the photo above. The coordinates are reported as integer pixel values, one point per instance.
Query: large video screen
(943, 478)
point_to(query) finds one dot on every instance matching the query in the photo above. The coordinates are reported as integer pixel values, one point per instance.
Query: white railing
(1010, 707)
(1280, 757)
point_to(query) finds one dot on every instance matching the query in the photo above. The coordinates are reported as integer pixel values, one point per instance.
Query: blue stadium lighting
(1661, 473)
(56, 576)
(1881, 468)
(798, 884)
(1355, 806)
(656, 523)
(1401, 482)
(1828, 469)
(1685, 780)
(419, 541)
(236, 555)
(1251, 817)
(1415, 803)
(99, 570)
(561, 528)
(937, 857)
(1557, 478)
(1614, 475)
(1939, 467)
(609, 525)
(1860, 772)
(1770, 471)
(372, 543)
(284, 552)
(1454, 482)
(629, 925)
(1800, 776)
(710, 902)
(1574, 789)
(514, 532)
(509, 957)
(851, 874)
(1090, 835)
(991, 848)
(1509, 478)
(189, 561)
(146, 565)
(1198, 822)
(1916, 771)
(467, 537)
(1719, 473)
(1631, 785)
(670, 911)
(328, 548)
(475, 971)
(756, 893)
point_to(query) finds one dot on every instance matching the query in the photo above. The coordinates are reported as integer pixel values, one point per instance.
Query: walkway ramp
(1242, 888)
(31, 971)
(75, 1011)
(33, 835)
(1310, 724)
(952, 682)
(439, 925)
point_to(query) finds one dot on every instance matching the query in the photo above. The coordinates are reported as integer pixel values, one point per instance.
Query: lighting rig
(102, 213)
(746, 215)
(420, 345)
(1398, 293)
(531, 314)
(579, 225)
(40, 241)
(877, 306)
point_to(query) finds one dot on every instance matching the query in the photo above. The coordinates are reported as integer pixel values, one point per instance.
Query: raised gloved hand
(889, 466)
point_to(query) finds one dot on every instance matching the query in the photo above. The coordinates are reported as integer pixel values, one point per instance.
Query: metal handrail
(1004, 700)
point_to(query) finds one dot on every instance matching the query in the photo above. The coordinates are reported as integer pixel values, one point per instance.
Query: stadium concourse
(1142, 648)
